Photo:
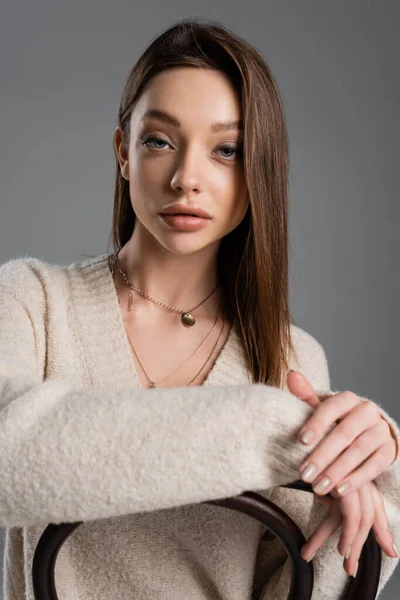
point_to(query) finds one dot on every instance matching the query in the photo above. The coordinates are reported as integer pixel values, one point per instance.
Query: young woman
(138, 384)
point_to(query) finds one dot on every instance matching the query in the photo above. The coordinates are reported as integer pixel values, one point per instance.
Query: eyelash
(145, 141)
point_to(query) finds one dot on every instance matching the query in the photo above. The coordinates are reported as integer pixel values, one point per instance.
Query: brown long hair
(253, 258)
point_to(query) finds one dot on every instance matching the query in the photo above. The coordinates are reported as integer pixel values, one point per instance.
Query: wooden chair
(364, 585)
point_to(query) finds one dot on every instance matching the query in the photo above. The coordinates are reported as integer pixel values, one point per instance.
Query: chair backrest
(364, 585)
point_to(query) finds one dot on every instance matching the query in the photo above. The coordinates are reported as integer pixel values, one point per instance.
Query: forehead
(195, 96)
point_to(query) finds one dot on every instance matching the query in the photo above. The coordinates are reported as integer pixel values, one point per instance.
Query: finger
(351, 516)
(367, 512)
(333, 409)
(346, 469)
(362, 418)
(367, 472)
(323, 532)
(325, 500)
(381, 528)
(299, 386)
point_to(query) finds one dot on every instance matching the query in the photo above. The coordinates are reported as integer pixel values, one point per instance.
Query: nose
(186, 177)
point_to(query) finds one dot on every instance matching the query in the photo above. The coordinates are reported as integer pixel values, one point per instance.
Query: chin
(179, 243)
(185, 249)
(186, 244)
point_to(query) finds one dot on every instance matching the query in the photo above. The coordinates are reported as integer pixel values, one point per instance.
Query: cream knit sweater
(80, 440)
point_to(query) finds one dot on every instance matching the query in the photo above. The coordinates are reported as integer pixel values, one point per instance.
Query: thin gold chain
(142, 293)
(209, 356)
(154, 383)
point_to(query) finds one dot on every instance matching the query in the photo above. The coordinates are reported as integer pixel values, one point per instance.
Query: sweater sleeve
(68, 454)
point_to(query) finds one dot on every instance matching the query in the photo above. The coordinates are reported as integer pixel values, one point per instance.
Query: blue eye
(154, 139)
(237, 150)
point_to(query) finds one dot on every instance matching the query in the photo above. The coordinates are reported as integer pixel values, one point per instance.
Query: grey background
(63, 66)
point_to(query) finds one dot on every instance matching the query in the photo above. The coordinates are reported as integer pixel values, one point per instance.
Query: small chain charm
(130, 301)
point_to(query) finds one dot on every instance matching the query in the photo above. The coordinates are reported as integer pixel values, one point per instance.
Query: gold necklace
(152, 384)
(186, 317)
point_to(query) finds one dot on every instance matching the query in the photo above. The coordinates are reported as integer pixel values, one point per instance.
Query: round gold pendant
(188, 319)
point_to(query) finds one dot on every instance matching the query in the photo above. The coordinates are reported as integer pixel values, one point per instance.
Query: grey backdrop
(63, 66)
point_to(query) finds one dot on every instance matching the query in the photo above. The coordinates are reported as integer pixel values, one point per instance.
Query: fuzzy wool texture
(81, 440)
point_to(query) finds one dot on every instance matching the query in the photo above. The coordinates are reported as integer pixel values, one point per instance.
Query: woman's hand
(354, 453)
(358, 511)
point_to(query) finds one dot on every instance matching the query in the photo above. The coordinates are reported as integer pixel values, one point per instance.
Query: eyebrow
(216, 126)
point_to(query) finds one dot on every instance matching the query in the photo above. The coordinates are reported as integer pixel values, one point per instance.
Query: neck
(181, 281)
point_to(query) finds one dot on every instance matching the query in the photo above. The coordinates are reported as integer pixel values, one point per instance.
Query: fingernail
(306, 552)
(322, 485)
(395, 549)
(307, 474)
(307, 436)
(310, 558)
(343, 488)
(355, 570)
(348, 553)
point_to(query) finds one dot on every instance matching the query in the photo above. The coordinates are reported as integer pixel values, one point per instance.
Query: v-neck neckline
(95, 297)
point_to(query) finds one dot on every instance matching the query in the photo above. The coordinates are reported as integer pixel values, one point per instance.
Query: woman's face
(186, 147)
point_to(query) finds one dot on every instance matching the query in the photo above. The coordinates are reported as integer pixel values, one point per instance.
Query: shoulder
(27, 277)
(32, 271)
(310, 359)
(21, 277)
(31, 280)
(305, 343)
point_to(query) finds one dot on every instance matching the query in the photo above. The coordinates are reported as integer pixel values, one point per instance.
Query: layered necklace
(187, 319)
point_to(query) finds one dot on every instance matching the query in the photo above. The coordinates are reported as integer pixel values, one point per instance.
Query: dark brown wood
(364, 586)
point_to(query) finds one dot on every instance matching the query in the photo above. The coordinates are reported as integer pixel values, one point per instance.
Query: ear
(121, 152)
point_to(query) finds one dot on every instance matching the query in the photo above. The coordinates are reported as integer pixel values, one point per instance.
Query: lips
(184, 222)
(187, 211)
(183, 215)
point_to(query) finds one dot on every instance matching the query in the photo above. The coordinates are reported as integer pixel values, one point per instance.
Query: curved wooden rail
(364, 585)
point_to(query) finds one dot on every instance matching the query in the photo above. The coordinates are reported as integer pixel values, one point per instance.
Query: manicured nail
(355, 570)
(343, 488)
(348, 553)
(310, 558)
(307, 474)
(307, 436)
(322, 485)
(395, 549)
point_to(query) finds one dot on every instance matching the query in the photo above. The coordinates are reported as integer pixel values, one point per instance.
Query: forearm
(68, 455)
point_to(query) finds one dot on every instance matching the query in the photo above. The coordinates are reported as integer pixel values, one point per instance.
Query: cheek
(235, 200)
(145, 181)
(147, 172)
(241, 207)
